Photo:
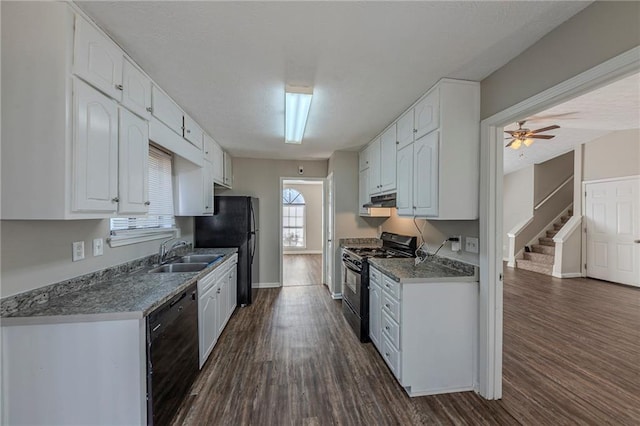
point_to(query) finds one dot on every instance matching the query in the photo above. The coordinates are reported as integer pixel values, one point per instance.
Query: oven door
(351, 287)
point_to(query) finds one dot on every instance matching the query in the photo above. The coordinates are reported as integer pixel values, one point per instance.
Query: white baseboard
(336, 296)
(568, 275)
(303, 252)
(266, 285)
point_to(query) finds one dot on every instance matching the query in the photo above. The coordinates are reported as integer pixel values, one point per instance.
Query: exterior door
(612, 215)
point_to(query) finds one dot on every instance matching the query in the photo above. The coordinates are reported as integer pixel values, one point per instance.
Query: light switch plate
(471, 245)
(98, 247)
(78, 251)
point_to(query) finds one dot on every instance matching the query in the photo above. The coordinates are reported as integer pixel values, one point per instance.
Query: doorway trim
(280, 245)
(490, 213)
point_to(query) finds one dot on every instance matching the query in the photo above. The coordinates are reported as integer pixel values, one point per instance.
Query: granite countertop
(132, 295)
(360, 242)
(436, 269)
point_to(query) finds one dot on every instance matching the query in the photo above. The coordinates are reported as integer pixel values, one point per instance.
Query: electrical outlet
(78, 251)
(456, 245)
(98, 247)
(471, 244)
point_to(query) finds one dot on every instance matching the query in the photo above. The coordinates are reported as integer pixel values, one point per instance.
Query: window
(293, 232)
(159, 222)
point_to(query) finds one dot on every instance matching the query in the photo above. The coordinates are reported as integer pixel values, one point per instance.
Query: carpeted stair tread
(539, 248)
(541, 268)
(539, 257)
(546, 241)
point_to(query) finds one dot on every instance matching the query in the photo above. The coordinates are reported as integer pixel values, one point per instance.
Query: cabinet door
(405, 130)
(222, 308)
(363, 191)
(208, 322)
(388, 159)
(404, 196)
(133, 170)
(95, 151)
(375, 312)
(233, 288)
(374, 167)
(192, 132)
(425, 175)
(136, 90)
(97, 59)
(363, 160)
(228, 170)
(208, 148)
(217, 159)
(207, 188)
(165, 110)
(427, 113)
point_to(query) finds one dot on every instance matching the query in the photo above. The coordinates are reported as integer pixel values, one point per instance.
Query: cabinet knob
(149, 109)
(115, 200)
(218, 291)
(415, 130)
(147, 203)
(206, 207)
(387, 305)
(387, 328)
(386, 354)
(397, 142)
(119, 87)
(188, 131)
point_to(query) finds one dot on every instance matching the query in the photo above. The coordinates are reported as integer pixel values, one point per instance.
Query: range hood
(387, 200)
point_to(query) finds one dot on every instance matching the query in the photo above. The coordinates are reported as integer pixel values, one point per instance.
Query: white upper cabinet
(405, 130)
(373, 152)
(95, 151)
(136, 90)
(165, 110)
(207, 188)
(425, 176)
(427, 113)
(192, 132)
(363, 160)
(363, 192)
(97, 59)
(228, 170)
(193, 189)
(404, 196)
(208, 147)
(133, 164)
(388, 159)
(214, 153)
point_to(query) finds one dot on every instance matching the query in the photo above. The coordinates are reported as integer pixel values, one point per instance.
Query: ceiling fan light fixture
(516, 144)
(528, 142)
(296, 112)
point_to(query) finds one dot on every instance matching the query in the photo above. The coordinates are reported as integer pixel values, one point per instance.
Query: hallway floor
(301, 269)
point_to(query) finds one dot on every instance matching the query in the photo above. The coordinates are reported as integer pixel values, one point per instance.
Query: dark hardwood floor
(301, 269)
(571, 356)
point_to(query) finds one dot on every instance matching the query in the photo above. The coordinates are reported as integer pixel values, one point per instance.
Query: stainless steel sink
(199, 258)
(180, 267)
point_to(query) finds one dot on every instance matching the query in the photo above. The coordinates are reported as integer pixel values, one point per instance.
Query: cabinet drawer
(391, 306)
(375, 276)
(390, 286)
(205, 283)
(391, 355)
(391, 329)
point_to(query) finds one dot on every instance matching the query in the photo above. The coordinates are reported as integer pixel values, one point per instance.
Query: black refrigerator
(234, 224)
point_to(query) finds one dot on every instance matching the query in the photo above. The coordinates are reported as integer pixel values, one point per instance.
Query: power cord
(422, 255)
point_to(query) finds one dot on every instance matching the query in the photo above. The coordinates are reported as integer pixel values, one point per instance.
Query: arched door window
(293, 213)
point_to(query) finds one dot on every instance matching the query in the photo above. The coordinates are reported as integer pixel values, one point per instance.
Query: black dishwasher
(172, 355)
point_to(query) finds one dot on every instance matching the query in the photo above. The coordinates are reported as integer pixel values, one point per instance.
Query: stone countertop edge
(360, 242)
(113, 299)
(403, 271)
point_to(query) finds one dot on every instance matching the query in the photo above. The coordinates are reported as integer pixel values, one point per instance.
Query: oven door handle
(351, 268)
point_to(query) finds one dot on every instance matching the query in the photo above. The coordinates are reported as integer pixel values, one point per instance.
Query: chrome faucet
(163, 252)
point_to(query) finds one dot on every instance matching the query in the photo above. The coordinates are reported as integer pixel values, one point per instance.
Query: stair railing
(554, 192)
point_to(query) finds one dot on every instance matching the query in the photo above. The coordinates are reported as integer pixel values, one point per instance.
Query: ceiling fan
(526, 136)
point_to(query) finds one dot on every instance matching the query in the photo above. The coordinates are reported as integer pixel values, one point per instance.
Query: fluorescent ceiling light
(296, 112)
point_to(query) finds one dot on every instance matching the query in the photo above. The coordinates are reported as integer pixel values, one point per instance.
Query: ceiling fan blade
(510, 143)
(541, 136)
(545, 129)
(511, 132)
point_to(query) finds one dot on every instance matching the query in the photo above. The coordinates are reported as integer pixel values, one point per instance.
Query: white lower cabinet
(216, 303)
(425, 332)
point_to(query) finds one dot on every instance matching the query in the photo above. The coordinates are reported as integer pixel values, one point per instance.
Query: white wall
(261, 178)
(36, 253)
(614, 155)
(517, 201)
(312, 194)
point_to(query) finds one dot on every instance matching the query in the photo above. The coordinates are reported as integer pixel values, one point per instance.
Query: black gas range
(355, 277)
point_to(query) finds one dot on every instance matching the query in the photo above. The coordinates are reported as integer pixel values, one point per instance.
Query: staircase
(541, 257)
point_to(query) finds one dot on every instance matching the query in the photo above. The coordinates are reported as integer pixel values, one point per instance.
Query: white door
(97, 59)
(404, 200)
(373, 152)
(363, 191)
(133, 170)
(388, 159)
(95, 150)
(167, 111)
(207, 322)
(136, 90)
(374, 313)
(329, 232)
(192, 132)
(207, 188)
(427, 114)
(405, 130)
(425, 175)
(612, 215)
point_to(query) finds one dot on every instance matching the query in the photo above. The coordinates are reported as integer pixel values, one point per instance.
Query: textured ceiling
(227, 63)
(581, 120)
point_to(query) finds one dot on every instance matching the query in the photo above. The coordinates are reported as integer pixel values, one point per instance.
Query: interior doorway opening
(302, 231)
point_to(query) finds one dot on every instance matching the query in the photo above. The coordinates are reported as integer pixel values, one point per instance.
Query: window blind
(160, 196)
